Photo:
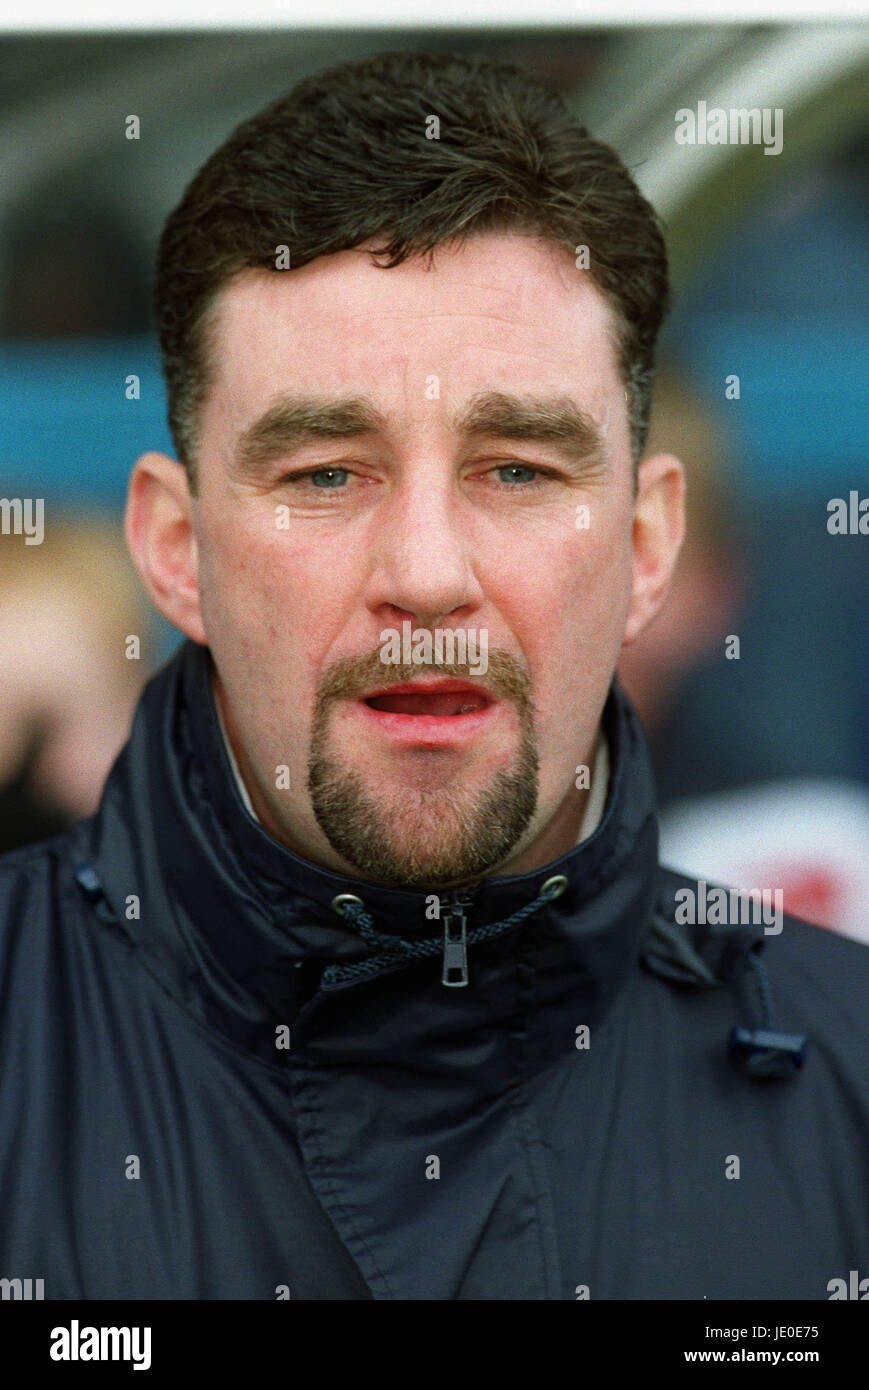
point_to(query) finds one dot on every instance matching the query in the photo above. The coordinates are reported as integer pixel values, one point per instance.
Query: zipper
(455, 970)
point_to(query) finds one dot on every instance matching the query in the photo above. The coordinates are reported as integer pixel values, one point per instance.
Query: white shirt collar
(242, 789)
(600, 780)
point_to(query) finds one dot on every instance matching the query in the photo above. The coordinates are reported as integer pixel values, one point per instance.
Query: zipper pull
(455, 972)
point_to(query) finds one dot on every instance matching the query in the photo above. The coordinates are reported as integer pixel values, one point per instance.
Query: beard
(423, 837)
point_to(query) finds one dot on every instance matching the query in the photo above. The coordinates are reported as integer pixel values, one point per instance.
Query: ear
(159, 530)
(658, 531)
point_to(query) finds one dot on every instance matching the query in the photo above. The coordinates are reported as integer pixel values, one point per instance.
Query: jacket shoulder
(820, 974)
(37, 884)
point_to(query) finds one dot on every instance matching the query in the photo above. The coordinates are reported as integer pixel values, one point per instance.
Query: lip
(430, 730)
(443, 686)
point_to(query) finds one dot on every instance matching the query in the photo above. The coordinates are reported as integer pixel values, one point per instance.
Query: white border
(156, 15)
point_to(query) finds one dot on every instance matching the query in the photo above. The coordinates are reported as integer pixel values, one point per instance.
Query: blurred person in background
(68, 609)
(711, 583)
(808, 835)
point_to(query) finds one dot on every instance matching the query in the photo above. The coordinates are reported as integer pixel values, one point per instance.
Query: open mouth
(438, 714)
(438, 699)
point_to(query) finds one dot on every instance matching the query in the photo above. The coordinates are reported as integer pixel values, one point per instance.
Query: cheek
(275, 598)
(241, 574)
(568, 610)
(580, 585)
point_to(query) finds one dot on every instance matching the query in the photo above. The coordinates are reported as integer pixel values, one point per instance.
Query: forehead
(500, 310)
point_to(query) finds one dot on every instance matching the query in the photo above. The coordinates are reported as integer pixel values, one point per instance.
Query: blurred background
(762, 761)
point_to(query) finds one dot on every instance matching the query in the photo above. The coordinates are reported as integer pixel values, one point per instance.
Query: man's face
(312, 549)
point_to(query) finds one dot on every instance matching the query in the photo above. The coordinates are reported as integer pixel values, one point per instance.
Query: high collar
(226, 913)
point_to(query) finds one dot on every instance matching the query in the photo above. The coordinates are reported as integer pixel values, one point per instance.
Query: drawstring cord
(762, 987)
(394, 949)
(389, 950)
(764, 1052)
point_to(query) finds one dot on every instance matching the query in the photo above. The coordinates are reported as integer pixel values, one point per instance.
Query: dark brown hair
(344, 159)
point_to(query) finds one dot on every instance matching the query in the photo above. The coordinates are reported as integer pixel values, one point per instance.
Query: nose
(425, 556)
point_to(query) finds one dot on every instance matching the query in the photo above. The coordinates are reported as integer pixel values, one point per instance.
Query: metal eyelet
(337, 904)
(556, 886)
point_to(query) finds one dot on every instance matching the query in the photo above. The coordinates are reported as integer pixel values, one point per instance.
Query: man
(365, 981)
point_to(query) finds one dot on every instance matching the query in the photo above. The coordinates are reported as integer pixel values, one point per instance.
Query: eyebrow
(294, 421)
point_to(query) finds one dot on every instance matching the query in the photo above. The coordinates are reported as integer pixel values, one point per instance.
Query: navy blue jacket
(160, 1139)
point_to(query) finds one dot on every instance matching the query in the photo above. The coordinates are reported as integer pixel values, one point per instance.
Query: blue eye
(330, 473)
(532, 473)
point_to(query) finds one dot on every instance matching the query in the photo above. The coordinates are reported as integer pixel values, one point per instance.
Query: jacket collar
(227, 915)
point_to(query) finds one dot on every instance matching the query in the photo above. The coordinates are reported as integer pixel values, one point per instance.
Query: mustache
(352, 676)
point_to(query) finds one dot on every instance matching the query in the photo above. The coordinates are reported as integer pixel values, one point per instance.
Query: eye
(325, 479)
(516, 475)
